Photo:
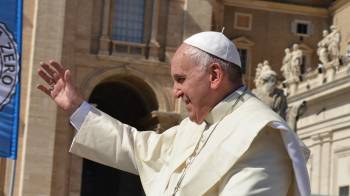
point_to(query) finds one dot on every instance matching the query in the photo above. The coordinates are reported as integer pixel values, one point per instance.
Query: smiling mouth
(186, 100)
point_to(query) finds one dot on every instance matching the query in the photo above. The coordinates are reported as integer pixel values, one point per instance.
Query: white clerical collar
(226, 106)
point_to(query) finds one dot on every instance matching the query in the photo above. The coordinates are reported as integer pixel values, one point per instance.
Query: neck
(232, 88)
(217, 97)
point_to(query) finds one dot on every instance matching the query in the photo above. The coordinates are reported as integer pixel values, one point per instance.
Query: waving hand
(59, 86)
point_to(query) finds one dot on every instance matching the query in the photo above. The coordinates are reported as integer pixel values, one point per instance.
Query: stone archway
(130, 101)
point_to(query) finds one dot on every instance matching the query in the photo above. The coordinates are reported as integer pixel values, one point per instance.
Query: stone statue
(347, 58)
(348, 51)
(291, 64)
(329, 47)
(285, 69)
(322, 50)
(267, 91)
(258, 69)
(295, 63)
(334, 46)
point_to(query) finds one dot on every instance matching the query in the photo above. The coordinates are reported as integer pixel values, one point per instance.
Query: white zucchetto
(217, 44)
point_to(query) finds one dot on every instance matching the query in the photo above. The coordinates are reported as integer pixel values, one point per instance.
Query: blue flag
(10, 49)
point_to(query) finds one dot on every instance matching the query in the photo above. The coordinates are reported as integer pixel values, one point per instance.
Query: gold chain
(190, 160)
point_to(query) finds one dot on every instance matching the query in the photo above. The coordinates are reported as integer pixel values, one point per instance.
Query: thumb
(68, 77)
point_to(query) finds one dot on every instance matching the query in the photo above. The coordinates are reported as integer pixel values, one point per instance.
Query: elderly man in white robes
(231, 143)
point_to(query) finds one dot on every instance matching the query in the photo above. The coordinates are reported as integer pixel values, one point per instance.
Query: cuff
(78, 117)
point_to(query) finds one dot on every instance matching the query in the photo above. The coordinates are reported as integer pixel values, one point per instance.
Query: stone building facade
(128, 77)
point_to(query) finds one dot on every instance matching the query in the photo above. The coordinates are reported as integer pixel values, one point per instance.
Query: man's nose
(177, 92)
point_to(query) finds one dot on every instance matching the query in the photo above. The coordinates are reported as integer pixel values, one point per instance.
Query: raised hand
(59, 86)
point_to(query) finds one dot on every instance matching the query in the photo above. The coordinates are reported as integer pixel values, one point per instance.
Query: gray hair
(204, 59)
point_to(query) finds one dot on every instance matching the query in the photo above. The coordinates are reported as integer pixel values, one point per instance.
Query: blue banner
(10, 49)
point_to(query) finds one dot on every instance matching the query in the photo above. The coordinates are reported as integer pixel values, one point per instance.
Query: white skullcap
(217, 44)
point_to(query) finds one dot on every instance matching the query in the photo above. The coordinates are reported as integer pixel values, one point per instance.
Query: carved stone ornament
(291, 64)
(329, 48)
(266, 89)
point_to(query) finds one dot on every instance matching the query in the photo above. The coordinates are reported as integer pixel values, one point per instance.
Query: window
(245, 46)
(344, 191)
(302, 28)
(128, 20)
(243, 53)
(243, 21)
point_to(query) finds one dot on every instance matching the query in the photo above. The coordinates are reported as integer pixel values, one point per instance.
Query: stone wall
(325, 126)
(325, 130)
(271, 33)
(70, 32)
(37, 146)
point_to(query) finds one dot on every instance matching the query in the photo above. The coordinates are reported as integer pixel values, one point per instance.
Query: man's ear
(216, 75)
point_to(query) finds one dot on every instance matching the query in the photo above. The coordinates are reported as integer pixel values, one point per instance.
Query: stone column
(198, 17)
(325, 178)
(162, 32)
(316, 164)
(105, 39)
(154, 44)
(2, 176)
(36, 164)
(154, 31)
(322, 167)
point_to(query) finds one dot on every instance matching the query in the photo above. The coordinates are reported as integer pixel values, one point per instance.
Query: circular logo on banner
(9, 65)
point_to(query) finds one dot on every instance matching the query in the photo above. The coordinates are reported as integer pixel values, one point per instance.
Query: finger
(56, 77)
(44, 76)
(54, 92)
(59, 68)
(44, 89)
(48, 69)
(68, 77)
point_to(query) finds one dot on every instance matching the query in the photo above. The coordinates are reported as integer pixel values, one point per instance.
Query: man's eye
(180, 80)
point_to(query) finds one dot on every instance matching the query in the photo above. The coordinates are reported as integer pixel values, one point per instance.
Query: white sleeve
(78, 117)
(285, 132)
(105, 140)
(299, 154)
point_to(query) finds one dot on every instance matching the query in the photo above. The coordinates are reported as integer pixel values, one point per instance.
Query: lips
(186, 100)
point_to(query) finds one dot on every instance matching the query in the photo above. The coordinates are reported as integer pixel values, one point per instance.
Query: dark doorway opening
(127, 104)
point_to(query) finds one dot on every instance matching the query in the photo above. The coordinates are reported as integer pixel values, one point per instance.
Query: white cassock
(242, 148)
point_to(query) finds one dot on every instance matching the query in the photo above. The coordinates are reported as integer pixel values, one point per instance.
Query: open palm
(60, 87)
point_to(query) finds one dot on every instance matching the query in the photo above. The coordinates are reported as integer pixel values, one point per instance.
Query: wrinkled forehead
(181, 50)
(182, 61)
(181, 58)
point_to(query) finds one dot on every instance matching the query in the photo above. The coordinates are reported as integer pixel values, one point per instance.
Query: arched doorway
(132, 105)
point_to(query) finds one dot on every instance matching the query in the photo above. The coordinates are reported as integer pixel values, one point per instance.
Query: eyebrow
(179, 76)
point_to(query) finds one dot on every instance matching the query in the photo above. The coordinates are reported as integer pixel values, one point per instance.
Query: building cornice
(322, 92)
(279, 7)
(338, 6)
